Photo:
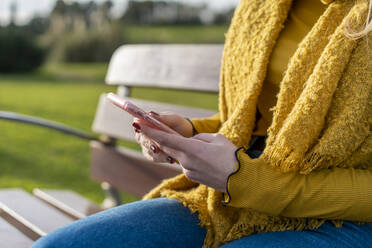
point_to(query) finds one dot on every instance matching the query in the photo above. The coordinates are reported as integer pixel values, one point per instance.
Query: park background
(53, 61)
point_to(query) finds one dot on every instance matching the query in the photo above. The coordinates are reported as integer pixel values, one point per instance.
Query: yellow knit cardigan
(322, 119)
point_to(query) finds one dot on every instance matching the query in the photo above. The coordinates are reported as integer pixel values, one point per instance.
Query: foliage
(72, 14)
(81, 32)
(88, 46)
(167, 12)
(171, 12)
(37, 26)
(18, 52)
(98, 46)
(223, 18)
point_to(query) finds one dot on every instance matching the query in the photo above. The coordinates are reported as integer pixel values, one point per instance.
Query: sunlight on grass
(33, 157)
(86, 72)
(175, 34)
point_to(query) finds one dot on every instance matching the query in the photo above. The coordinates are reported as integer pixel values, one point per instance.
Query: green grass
(62, 73)
(78, 72)
(34, 157)
(175, 34)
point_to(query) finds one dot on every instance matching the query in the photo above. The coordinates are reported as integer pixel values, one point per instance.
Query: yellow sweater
(276, 193)
(317, 159)
(300, 20)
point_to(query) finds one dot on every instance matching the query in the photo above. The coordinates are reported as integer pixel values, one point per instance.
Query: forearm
(332, 194)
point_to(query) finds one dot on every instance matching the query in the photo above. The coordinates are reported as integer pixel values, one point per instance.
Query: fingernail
(136, 130)
(154, 113)
(154, 149)
(171, 160)
(136, 126)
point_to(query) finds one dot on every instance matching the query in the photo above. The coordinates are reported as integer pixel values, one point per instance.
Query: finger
(144, 141)
(159, 157)
(148, 144)
(206, 137)
(150, 150)
(160, 154)
(211, 138)
(172, 141)
(192, 175)
(138, 137)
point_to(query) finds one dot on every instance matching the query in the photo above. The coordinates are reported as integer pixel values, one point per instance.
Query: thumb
(166, 118)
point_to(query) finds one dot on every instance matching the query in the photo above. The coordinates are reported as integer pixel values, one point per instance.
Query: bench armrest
(16, 117)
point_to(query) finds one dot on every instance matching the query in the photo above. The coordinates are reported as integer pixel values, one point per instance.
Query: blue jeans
(164, 223)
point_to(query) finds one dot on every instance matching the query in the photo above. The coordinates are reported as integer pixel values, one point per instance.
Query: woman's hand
(205, 158)
(149, 148)
(174, 121)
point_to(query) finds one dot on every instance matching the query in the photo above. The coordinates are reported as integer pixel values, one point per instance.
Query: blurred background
(53, 59)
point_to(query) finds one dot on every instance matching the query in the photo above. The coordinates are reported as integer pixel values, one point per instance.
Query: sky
(28, 8)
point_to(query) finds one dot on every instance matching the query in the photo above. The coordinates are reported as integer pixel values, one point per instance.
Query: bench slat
(191, 67)
(11, 237)
(128, 170)
(68, 202)
(33, 210)
(23, 225)
(114, 122)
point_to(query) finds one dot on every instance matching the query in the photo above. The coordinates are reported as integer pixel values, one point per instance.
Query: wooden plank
(12, 237)
(23, 225)
(68, 202)
(128, 170)
(114, 122)
(32, 210)
(191, 67)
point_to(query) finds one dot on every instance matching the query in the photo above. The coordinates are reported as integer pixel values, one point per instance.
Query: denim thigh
(327, 236)
(158, 222)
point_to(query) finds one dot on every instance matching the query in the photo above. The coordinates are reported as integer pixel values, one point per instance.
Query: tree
(18, 53)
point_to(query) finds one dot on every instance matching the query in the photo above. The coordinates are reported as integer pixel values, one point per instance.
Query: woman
(295, 177)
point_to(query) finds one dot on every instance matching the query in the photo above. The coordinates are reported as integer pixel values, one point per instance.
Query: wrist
(226, 193)
(193, 131)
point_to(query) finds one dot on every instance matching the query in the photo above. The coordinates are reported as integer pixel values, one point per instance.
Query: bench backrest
(183, 67)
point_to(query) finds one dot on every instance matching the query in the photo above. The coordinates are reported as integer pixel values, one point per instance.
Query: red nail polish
(154, 113)
(136, 130)
(154, 149)
(136, 126)
(171, 160)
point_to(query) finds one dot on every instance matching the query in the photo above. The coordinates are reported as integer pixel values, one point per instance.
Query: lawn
(175, 34)
(34, 157)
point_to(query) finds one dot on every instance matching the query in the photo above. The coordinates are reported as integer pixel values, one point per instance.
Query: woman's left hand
(205, 158)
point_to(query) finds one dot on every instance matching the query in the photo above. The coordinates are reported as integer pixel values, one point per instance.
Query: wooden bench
(24, 217)
(180, 67)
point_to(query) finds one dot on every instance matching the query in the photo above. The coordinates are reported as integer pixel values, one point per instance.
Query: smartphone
(139, 113)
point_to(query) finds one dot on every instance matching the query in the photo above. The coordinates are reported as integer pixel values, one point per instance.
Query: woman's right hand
(150, 148)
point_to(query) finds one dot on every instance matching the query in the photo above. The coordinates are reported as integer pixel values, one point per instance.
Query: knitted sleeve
(338, 193)
(207, 125)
